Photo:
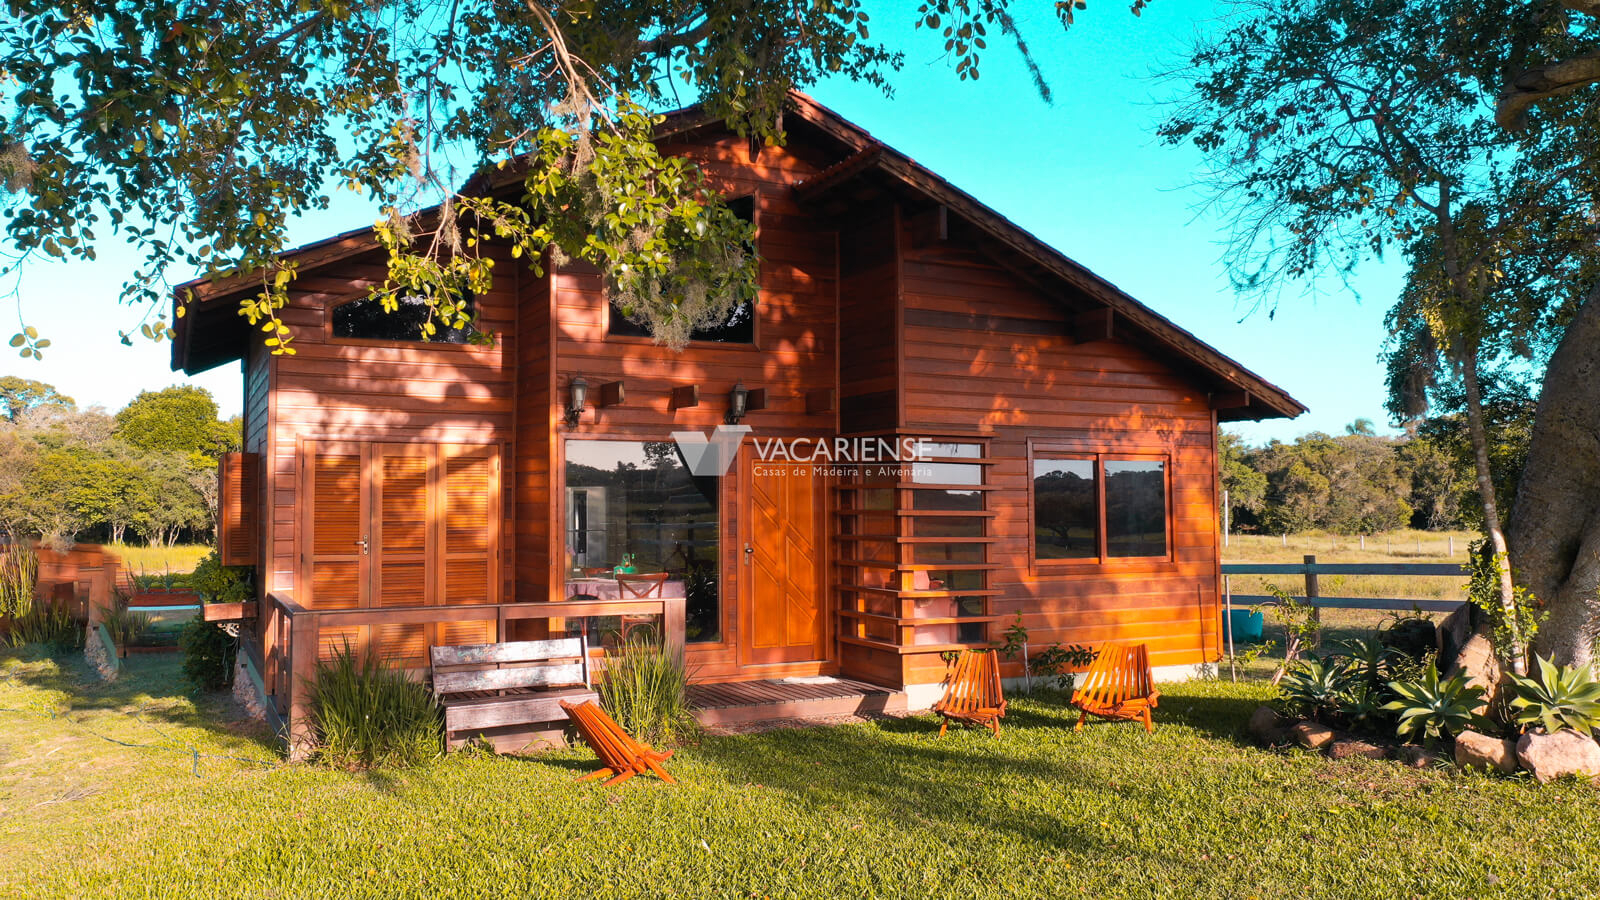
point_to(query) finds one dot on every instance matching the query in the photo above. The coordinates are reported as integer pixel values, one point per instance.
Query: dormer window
(738, 328)
(365, 319)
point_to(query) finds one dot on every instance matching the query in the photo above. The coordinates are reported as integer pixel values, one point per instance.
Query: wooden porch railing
(292, 635)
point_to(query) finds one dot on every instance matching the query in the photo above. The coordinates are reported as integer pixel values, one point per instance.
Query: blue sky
(1085, 174)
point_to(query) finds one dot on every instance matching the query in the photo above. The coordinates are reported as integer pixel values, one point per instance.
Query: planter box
(229, 612)
(163, 597)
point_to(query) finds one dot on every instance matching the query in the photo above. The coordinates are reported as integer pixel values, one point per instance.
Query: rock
(1552, 756)
(1479, 751)
(1455, 630)
(1344, 748)
(1268, 727)
(1476, 658)
(1415, 638)
(1414, 756)
(1311, 735)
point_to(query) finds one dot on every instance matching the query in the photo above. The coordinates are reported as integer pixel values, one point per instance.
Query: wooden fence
(1311, 571)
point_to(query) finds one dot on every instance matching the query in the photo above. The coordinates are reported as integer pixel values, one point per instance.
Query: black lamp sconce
(610, 394)
(577, 398)
(742, 401)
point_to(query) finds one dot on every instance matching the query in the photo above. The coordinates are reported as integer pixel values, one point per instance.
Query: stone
(1476, 658)
(1345, 748)
(1414, 756)
(1311, 735)
(1480, 751)
(1268, 727)
(1552, 756)
(1455, 630)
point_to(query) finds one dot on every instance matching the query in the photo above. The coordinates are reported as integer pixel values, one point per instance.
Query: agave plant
(1316, 686)
(1375, 662)
(1561, 697)
(1430, 708)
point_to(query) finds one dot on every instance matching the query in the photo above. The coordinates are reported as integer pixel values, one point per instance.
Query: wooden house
(396, 494)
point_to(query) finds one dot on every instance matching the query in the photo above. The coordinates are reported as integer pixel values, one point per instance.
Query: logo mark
(710, 457)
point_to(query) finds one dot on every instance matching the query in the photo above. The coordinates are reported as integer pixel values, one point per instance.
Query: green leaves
(1561, 697)
(1430, 709)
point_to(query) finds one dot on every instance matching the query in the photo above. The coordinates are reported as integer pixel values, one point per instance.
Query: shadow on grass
(149, 685)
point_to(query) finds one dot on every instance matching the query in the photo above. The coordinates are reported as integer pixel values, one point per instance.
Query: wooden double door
(395, 525)
(781, 615)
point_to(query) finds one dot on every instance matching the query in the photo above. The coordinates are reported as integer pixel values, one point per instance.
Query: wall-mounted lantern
(738, 403)
(577, 397)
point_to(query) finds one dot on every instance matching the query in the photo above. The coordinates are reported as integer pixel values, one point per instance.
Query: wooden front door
(394, 525)
(781, 608)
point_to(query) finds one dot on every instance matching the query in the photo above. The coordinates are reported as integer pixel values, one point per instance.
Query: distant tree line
(146, 473)
(1362, 483)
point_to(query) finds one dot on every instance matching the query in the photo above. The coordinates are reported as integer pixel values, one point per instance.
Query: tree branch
(1545, 81)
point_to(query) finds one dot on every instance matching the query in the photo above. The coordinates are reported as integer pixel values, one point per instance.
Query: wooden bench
(1118, 686)
(485, 688)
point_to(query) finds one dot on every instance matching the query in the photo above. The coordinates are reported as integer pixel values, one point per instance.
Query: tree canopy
(150, 470)
(19, 395)
(197, 130)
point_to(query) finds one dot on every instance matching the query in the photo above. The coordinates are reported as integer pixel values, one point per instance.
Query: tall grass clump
(19, 573)
(52, 627)
(646, 690)
(368, 714)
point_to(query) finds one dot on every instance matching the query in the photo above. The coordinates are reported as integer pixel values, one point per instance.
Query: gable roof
(1238, 393)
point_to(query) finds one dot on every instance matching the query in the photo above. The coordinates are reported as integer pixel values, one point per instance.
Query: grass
(883, 809)
(179, 559)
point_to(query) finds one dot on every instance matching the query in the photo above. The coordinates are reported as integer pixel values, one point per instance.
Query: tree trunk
(1555, 525)
(1479, 435)
(1467, 351)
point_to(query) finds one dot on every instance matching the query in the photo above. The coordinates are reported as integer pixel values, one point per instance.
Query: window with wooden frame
(1089, 508)
(740, 325)
(413, 320)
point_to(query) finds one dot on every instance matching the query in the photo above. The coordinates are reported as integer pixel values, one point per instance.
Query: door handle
(747, 551)
(363, 544)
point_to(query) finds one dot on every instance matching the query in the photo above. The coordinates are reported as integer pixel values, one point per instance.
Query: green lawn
(880, 810)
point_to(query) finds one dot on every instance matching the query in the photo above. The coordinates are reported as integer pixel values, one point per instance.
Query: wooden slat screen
(238, 505)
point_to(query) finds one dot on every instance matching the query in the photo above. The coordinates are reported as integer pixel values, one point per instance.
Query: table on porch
(609, 589)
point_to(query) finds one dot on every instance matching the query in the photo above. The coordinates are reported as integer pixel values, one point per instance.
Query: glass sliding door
(634, 505)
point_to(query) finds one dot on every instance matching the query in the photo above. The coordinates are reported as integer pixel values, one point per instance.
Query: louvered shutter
(238, 502)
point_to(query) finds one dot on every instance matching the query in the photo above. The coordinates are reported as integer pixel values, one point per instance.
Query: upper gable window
(738, 328)
(365, 319)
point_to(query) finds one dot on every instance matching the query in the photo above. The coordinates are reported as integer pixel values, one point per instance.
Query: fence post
(1312, 592)
(1452, 546)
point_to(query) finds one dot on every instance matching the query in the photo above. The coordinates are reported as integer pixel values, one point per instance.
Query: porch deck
(736, 702)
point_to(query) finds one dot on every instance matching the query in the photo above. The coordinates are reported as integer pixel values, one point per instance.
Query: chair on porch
(623, 756)
(639, 586)
(1118, 686)
(973, 693)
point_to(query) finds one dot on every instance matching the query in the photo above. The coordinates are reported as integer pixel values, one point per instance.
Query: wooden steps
(737, 702)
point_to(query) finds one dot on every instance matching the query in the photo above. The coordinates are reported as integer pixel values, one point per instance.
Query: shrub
(367, 713)
(217, 583)
(51, 626)
(19, 574)
(1561, 697)
(124, 625)
(1061, 661)
(208, 655)
(1316, 687)
(646, 690)
(1429, 709)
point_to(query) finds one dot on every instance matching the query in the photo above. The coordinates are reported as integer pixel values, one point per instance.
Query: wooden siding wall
(795, 350)
(869, 397)
(1019, 377)
(380, 391)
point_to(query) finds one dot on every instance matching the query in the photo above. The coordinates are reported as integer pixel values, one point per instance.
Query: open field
(884, 809)
(176, 560)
